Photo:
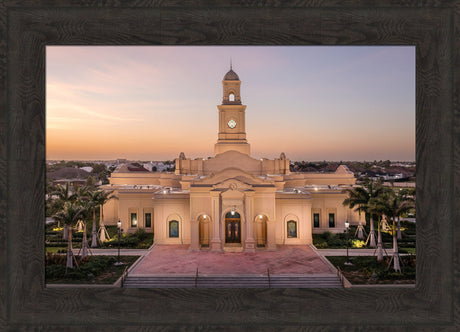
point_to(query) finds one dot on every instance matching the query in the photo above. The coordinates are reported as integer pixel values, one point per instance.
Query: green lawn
(54, 250)
(367, 271)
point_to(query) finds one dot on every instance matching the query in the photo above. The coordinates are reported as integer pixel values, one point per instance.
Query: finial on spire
(230, 63)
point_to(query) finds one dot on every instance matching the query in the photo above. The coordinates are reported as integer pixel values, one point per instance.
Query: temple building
(230, 201)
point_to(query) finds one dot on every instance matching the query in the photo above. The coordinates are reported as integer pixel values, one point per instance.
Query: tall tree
(359, 197)
(69, 215)
(63, 194)
(83, 194)
(98, 198)
(407, 196)
(377, 208)
(393, 205)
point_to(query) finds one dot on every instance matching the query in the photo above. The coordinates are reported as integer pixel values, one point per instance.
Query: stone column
(249, 243)
(216, 242)
(306, 227)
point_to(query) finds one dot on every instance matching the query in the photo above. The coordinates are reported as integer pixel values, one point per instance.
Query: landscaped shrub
(356, 243)
(336, 241)
(91, 268)
(52, 259)
(327, 236)
(55, 271)
(321, 245)
(141, 234)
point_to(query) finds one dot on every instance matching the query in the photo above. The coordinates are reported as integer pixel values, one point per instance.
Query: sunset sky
(151, 103)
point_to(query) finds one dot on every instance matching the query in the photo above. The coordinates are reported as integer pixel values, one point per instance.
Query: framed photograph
(27, 30)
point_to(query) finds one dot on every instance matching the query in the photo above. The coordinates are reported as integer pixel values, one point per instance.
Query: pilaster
(216, 241)
(271, 244)
(249, 243)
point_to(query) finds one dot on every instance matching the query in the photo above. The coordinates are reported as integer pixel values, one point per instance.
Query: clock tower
(232, 128)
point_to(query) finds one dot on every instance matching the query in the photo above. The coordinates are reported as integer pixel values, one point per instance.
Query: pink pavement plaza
(177, 259)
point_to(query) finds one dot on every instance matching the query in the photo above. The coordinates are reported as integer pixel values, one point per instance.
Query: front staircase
(233, 281)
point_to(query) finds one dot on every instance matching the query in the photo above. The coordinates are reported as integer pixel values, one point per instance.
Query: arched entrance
(232, 227)
(204, 230)
(260, 230)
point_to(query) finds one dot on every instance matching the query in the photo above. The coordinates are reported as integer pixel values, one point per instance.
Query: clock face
(231, 124)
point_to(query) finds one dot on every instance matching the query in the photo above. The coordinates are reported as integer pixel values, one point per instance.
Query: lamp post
(118, 262)
(347, 230)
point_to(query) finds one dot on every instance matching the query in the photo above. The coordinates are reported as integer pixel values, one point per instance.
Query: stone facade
(231, 201)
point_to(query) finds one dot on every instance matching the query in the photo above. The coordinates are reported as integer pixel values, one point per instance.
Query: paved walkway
(177, 259)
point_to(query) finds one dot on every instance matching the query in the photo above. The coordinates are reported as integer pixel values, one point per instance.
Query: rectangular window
(148, 220)
(331, 220)
(316, 220)
(133, 219)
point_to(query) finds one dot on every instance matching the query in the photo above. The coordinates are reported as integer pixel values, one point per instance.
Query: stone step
(234, 281)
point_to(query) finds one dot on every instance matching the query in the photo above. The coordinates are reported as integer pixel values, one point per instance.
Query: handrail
(123, 276)
(196, 278)
(268, 276)
(341, 276)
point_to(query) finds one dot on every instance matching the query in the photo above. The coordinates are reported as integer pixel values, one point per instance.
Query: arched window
(173, 228)
(231, 96)
(291, 229)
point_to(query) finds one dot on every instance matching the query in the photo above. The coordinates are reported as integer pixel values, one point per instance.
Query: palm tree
(69, 215)
(393, 205)
(377, 207)
(360, 197)
(83, 195)
(405, 195)
(98, 198)
(64, 194)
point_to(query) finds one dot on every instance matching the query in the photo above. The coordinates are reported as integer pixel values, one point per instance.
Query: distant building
(73, 176)
(231, 200)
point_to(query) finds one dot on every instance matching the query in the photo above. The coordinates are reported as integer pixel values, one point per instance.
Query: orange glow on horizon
(151, 103)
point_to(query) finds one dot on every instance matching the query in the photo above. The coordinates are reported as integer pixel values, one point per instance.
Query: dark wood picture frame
(26, 27)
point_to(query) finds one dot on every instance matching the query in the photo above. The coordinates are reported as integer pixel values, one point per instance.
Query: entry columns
(216, 242)
(249, 243)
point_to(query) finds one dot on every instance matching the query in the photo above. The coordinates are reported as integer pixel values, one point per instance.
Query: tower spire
(230, 63)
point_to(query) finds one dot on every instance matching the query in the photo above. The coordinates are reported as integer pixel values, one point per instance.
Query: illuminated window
(231, 97)
(148, 220)
(316, 220)
(331, 220)
(232, 214)
(291, 229)
(173, 228)
(133, 219)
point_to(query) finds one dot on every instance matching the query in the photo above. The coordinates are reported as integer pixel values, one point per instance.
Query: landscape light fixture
(347, 230)
(118, 262)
